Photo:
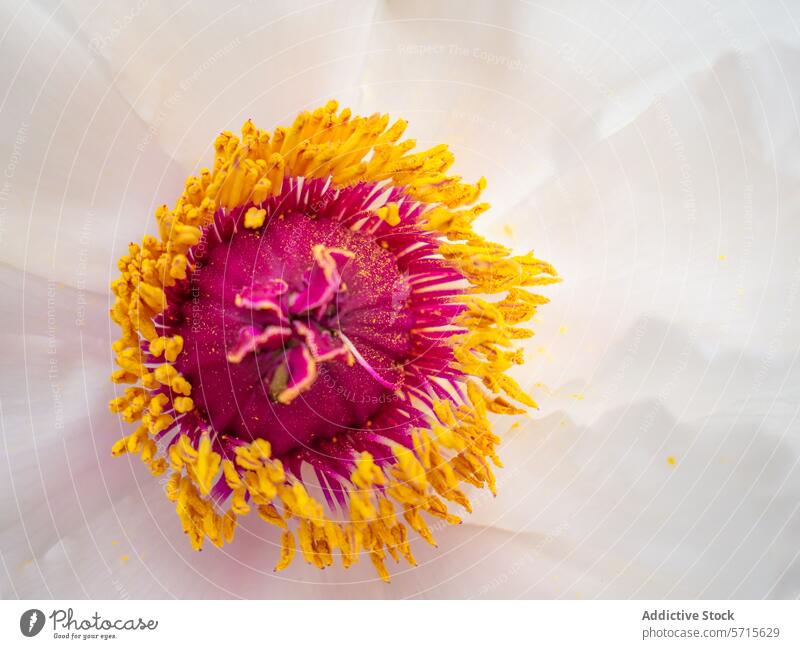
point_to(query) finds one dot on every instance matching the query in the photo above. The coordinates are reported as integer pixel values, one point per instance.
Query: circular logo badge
(31, 622)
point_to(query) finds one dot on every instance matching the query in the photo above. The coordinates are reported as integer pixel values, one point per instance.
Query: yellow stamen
(254, 218)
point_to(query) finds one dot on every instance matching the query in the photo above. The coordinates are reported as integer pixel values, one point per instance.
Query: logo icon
(31, 622)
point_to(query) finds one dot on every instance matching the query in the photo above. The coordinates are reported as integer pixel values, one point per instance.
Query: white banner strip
(332, 624)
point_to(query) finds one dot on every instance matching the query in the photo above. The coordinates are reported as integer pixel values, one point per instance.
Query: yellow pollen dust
(254, 218)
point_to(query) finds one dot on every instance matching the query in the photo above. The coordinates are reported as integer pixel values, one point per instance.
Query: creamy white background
(650, 150)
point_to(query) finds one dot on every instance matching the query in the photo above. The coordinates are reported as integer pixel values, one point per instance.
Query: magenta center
(295, 331)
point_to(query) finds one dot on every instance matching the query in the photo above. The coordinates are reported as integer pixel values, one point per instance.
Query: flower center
(294, 331)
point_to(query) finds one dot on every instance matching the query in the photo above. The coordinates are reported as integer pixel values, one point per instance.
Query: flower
(318, 304)
(633, 152)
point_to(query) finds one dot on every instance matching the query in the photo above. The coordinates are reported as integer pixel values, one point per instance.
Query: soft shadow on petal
(189, 71)
(526, 90)
(81, 187)
(56, 429)
(682, 482)
(675, 218)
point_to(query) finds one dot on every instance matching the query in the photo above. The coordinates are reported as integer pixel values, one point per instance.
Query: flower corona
(318, 336)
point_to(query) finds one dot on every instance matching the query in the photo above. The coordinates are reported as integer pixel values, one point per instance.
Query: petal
(658, 478)
(75, 188)
(187, 72)
(57, 476)
(646, 247)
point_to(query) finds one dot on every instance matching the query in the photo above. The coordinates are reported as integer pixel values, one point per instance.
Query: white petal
(56, 427)
(191, 71)
(76, 189)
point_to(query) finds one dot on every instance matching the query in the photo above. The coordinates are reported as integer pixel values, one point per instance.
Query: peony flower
(648, 151)
(318, 304)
